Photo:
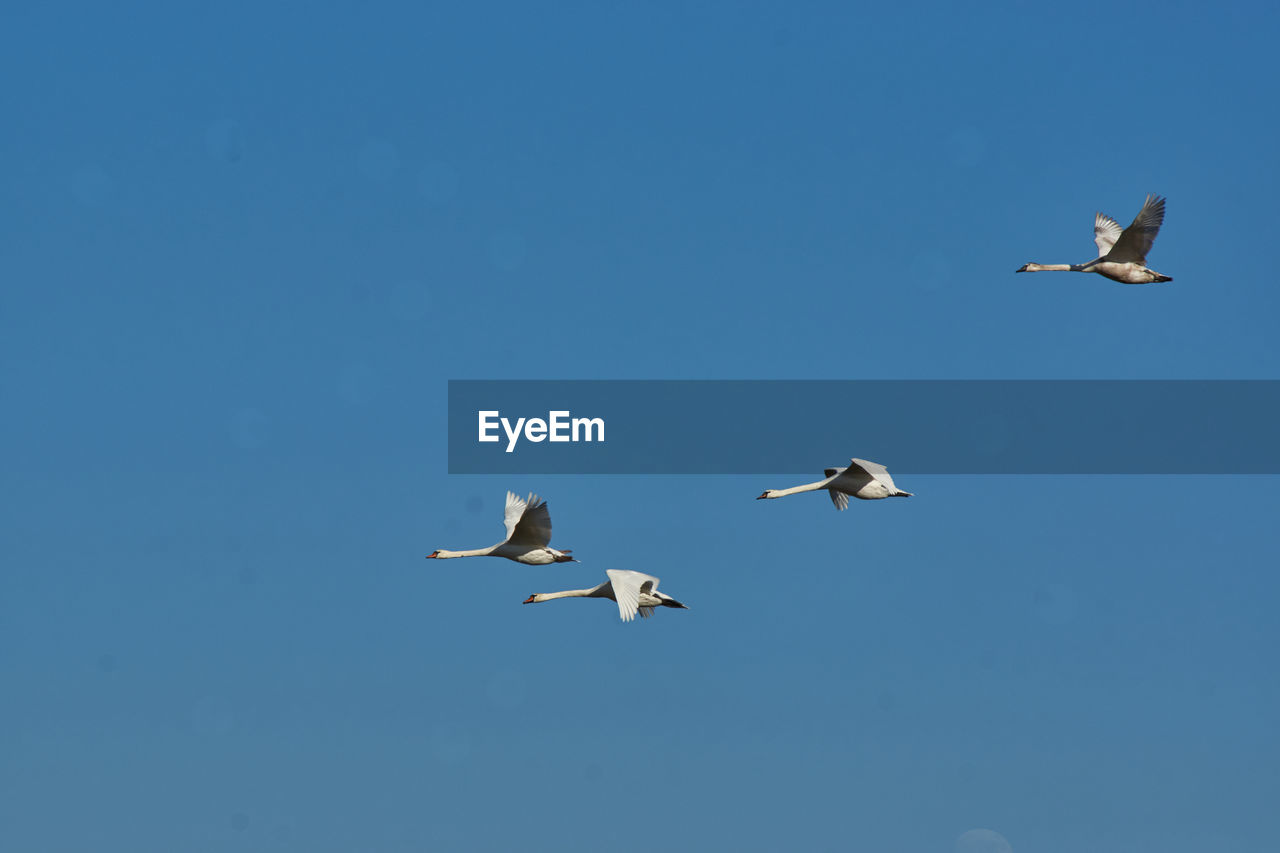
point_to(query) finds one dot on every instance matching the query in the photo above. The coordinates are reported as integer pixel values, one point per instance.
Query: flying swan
(528, 532)
(1122, 255)
(862, 479)
(633, 591)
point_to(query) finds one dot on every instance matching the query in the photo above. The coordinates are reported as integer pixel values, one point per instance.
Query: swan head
(768, 493)
(531, 599)
(433, 555)
(1023, 268)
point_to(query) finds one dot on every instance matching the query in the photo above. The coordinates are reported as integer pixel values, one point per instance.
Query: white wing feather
(515, 509)
(626, 590)
(528, 522)
(1105, 233)
(875, 471)
(840, 499)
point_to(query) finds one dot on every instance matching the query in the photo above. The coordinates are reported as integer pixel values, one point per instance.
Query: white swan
(862, 479)
(634, 592)
(528, 532)
(1122, 255)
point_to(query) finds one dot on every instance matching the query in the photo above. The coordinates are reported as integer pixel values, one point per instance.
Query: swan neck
(568, 593)
(795, 490)
(1052, 268)
(474, 552)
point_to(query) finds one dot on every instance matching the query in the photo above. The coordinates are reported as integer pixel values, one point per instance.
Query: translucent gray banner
(912, 426)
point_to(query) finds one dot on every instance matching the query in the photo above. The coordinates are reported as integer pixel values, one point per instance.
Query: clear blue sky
(244, 248)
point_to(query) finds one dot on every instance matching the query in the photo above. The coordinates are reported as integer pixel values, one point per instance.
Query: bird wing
(646, 612)
(528, 521)
(627, 586)
(1135, 241)
(874, 471)
(840, 499)
(1105, 232)
(515, 509)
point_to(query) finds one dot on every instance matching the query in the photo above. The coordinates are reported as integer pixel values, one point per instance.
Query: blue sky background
(244, 248)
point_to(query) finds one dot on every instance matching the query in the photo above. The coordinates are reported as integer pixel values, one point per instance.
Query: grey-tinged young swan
(528, 532)
(1122, 255)
(635, 592)
(862, 479)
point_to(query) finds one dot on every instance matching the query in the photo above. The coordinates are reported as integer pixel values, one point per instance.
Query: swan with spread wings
(528, 524)
(864, 480)
(1122, 253)
(634, 592)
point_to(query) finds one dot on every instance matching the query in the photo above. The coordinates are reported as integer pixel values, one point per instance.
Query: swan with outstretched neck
(1122, 254)
(528, 534)
(634, 592)
(862, 479)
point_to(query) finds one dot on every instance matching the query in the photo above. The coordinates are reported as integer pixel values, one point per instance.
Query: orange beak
(432, 555)
(530, 599)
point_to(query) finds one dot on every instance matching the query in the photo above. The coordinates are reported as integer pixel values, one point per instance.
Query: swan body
(634, 592)
(1122, 253)
(528, 532)
(862, 479)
